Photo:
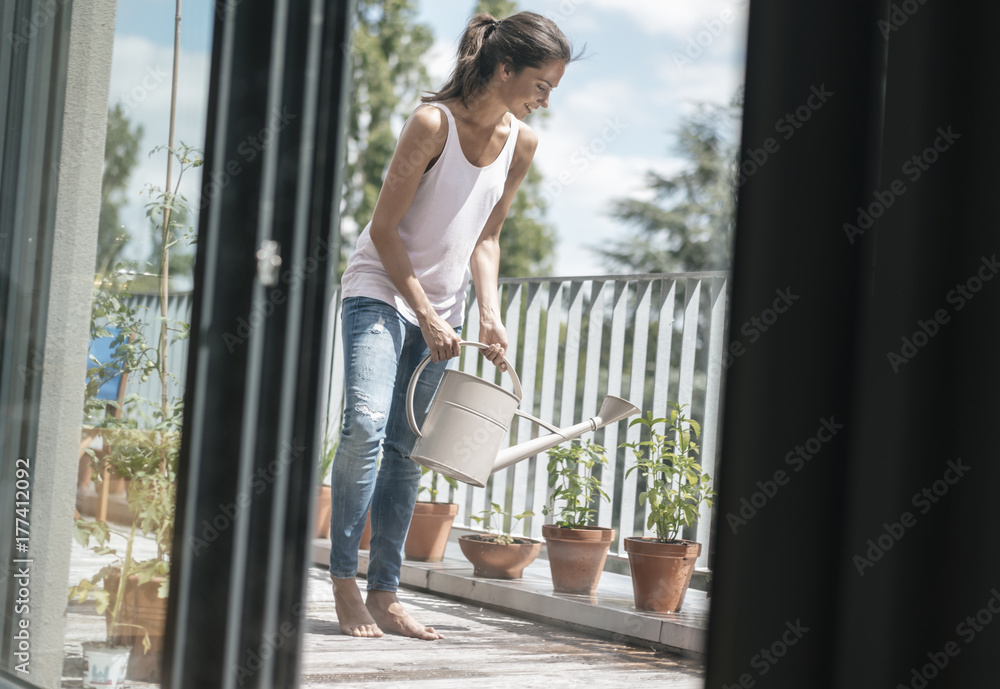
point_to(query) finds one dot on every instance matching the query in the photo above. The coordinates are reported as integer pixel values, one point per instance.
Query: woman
(458, 163)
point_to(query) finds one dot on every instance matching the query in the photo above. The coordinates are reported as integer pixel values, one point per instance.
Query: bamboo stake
(165, 233)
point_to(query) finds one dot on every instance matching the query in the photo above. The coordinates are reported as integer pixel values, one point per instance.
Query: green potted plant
(676, 487)
(576, 549)
(134, 594)
(498, 554)
(147, 459)
(431, 522)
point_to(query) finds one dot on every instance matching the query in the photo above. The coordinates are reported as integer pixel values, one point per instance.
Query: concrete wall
(67, 335)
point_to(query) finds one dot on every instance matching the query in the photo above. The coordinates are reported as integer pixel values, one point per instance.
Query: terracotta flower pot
(141, 606)
(661, 572)
(496, 560)
(323, 509)
(577, 556)
(429, 530)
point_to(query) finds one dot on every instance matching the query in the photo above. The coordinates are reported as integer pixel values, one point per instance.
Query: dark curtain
(859, 474)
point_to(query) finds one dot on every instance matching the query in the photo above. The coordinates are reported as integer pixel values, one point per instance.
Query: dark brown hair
(525, 39)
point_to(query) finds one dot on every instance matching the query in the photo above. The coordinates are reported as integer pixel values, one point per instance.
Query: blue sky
(612, 118)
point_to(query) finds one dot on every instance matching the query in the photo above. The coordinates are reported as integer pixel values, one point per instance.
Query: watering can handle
(411, 417)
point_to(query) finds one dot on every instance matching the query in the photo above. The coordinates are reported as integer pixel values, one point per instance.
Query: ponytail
(525, 39)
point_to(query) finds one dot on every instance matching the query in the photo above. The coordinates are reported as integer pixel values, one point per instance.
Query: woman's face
(529, 89)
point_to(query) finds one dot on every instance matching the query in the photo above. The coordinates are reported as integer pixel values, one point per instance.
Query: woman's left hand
(494, 335)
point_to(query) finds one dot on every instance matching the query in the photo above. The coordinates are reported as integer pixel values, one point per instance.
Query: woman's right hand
(441, 338)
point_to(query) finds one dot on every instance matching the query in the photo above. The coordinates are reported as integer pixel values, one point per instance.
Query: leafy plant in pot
(431, 523)
(576, 550)
(498, 554)
(147, 458)
(134, 594)
(676, 488)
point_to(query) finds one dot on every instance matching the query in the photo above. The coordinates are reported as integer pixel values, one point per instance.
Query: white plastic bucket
(106, 666)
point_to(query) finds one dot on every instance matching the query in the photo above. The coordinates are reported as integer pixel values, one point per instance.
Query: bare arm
(485, 262)
(421, 140)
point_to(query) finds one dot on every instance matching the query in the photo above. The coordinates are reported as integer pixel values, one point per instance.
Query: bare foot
(354, 618)
(390, 615)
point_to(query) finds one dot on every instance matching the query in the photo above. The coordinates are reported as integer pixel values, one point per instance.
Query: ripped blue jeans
(381, 351)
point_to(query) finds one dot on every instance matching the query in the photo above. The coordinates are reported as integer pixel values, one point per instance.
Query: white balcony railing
(648, 338)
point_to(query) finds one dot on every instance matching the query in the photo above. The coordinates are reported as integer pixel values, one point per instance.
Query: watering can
(468, 420)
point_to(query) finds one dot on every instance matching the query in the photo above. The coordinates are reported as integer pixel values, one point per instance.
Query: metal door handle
(268, 262)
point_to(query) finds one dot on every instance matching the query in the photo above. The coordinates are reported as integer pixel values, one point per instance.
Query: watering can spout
(612, 409)
(468, 421)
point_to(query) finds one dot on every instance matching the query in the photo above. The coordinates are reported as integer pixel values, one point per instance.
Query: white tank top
(439, 231)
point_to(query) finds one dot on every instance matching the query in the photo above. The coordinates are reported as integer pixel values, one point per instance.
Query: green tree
(688, 226)
(527, 243)
(121, 149)
(388, 52)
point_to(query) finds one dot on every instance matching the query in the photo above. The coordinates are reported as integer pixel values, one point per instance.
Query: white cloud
(675, 18)
(711, 81)
(141, 83)
(581, 187)
(440, 60)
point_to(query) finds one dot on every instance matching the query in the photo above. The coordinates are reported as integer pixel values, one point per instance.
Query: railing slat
(571, 354)
(713, 395)
(595, 336)
(661, 379)
(616, 366)
(689, 345)
(547, 401)
(640, 338)
(512, 321)
(664, 343)
(525, 430)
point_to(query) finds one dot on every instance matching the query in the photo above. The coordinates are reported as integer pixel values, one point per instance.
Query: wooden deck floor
(482, 649)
